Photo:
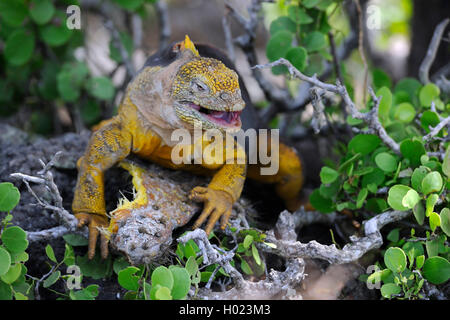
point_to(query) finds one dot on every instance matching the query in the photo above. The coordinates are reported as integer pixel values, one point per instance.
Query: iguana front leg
(107, 146)
(218, 198)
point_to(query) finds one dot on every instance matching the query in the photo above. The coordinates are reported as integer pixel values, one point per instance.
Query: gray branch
(436, 129)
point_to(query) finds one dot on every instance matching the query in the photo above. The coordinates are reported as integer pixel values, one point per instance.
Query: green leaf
(246, 268)
(429, 119)
(13, 12)
(436, 270)
(163, 293)
(163, 277)
(75, 240)
(69, 255)
(41, 11)
(320, 203)
(192, 266)
(15, 239)
(19, 296)
(310, 3)
(297, 56)
(430, 203)
(419, 261)
(408, 85)
(278, 45)
(395, 197)
(127, 43)
(52, 279)
(393, 235)
(446, 163)
(405, 112)
(255, 255)
(419, 213)
(376, 177)
(315, 41)
(364, 143)
(127, 278)
(435, 221)
(19, 47)
(282, 23)
(432, 247)
(380, 79)
(385, 104)
(445, 220)
(248, 240)
(389, 289)
(417, 177)
(96, 267)
(362, 195)
(181, 282)
(428, 93)
(12, 274)
(9, 196)
(50, 253)
(432, 182)
(395, 259)
(68, 91)
(57, 33)
(386, 162)
(130, 5)
(120, 264)
(101, 88)
(410, 199)
(328, 175)
(412, 150)
(298, 15)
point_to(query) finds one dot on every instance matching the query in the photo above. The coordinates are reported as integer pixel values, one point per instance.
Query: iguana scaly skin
(187, 92)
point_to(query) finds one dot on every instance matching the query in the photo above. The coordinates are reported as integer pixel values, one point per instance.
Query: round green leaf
(181, 282)
(429, 119)
(396, 195)
(389, 289)
(428, 93)
(315, 41)
(432, 182)
(446, 163)
(404, 112)
(375, 177)
(430, 203)
(66, 88)
(395, 259)
(419, 213)
(15, 239)
(364, 143)
(163, 293)
(9, 196)
(163, 277)
(12, 274)
(75, 240)
(417, 177)
(13, 12)
(299, 15)
(41, 11)
(19, 47)
(56, 33)
(101, 88)
(445, 221)
(328, 175)
(50, 253)
(412, 150)
(5, 261)
(297, 56)
(320, 203)
(435, 221)
(278, 45)
(410, 199)
(386, 162)
(436, 270)
(248, 240)
(282, 23)
(409, 85)
(127, 279)
(52, 279)
(381, 79)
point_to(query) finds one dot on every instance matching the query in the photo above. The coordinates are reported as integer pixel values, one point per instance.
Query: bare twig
(445, 122)
(361, 45)
(370, 118)
(425, 66)
(228, 36)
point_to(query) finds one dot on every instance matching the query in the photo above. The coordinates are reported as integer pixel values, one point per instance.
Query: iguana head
(205, 92)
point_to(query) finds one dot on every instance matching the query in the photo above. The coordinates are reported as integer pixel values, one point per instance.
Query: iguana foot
(94, 223)
(217, 204)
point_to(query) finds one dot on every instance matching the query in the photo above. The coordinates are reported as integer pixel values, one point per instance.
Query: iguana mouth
(223, 118)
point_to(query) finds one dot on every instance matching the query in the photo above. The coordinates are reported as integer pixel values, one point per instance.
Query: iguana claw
(218, 204)
(94, 223)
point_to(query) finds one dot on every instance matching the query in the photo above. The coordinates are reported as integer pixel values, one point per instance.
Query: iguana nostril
(224, 96)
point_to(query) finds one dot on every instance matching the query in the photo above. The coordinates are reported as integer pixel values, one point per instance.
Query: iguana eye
(199, 87)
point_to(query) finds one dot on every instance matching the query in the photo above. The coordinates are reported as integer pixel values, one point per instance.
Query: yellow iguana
(179, 89)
